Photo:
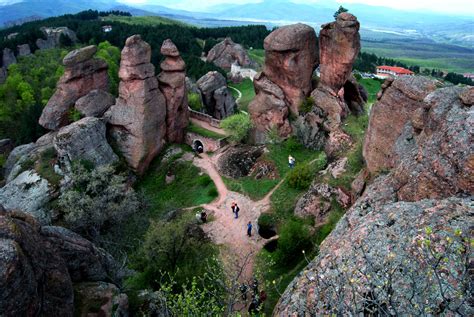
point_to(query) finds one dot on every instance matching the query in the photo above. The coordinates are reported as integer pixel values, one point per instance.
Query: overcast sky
(443, 6)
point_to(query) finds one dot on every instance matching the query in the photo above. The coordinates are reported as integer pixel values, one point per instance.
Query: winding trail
(238, 92)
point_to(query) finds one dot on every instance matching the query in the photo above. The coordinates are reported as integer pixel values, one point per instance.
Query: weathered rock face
(218, 100)
(397, 105)
(99, 299)
(3, 75)
(339, 44)
(82, 75)
(291, 55)
(8, 57)
(226, 53)
(23, 50)
(53, 36)
(84, 140)
(309, 129)
(95, 103)
(138, 119)
(40, 264)
(173, 86)
(382, 235)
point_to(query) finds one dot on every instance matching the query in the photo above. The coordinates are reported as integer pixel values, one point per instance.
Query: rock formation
(8, 57)
(23, 50)
(84, 140)
(378, 248)
(39, 267)
(400, 99)
(95, 103)
(3, 75)
(226, 53)
(53, 36)
(339, 44)
(138, 119)
(218, 100)
(291, 55)
(82, 74)
(172, 81)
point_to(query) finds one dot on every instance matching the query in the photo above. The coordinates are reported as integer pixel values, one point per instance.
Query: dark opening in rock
(198, 146)
(271, 245)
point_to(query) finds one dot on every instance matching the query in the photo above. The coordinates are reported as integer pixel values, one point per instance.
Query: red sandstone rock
(138, 118)
(339, 44)
(82, 75)
(173, 86)
(396, 107)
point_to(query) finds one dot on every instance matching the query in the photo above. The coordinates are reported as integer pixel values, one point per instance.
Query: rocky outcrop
(53, 36)
(8, 57)
(218, 100)
(239, 161)
(138, 119)
(383, 247)
(82, 74)
(399, 100)
(84, 140)
(172, 81)
(95, 103)
(40, 265)
(99, 299)
(3, 75)
(339, 45)
(291, 55)
(355, 96)
(309, 129)
(226, 53)
(23, 50)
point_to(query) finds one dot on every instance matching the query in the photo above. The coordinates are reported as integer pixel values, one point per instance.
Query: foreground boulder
(84, 140)
(217, 98)
(40, 265)
(173, 86)
(138, 119)
(291, 55)
(339, 44)
(226, 53)
(381, 258)
(95, 103)
(82, 74)
(400, 100)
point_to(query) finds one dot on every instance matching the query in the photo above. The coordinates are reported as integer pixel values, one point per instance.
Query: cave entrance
(198, 146)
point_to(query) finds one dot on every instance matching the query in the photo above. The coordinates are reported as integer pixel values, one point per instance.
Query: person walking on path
(249, 229)
(236, 211)
(291, 161)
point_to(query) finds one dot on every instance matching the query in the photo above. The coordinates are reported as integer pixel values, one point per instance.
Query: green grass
(257, 55)
(188, 189)
(143, 20)
(372, 86)
(248, 93)
(45, 167)
(204, 132)
(255, 189)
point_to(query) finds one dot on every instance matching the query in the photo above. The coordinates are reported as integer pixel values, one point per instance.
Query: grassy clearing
(255, 189)
(162, 197)
(248, 93)
(372, 86)
(143, 20)
(204, 132)
(257, 55)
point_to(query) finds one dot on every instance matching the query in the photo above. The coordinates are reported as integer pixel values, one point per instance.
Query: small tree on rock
(237, 126)
(339, 11)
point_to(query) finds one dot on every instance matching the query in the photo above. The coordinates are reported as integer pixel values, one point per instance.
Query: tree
(339, 11)
(237, 126)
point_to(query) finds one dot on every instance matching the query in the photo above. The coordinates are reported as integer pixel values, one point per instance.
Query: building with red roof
(394, 71)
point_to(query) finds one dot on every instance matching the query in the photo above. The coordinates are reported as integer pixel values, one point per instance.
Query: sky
(441, 6)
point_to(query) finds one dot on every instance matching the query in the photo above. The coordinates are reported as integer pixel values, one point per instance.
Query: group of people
(257, 297)
(235, 210)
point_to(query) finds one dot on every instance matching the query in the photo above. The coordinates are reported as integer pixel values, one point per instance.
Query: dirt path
(207, 126)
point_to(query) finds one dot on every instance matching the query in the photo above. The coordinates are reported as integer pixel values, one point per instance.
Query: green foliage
(45, 167)
(237, 126)
(336, 213)
(258, 55)
(372, 86)
(209, 44)
(65, 41)
(162, 197)
(339, 11)
(294, 237)
(307, 105)
(248, 93)
(74, 115)
(267, 221)
(111, 55)
(142, 20)
(301, 177)
(254, 188)
(30, 83)
(96, 199)
(194, 101)
(204, 132)
(458, 79)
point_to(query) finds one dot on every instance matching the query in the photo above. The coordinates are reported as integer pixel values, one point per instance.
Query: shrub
(194, 101)
(237, 126)
(96, 198)
(74, 115)
(307, 105)
(294, 237)
(300, 177)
